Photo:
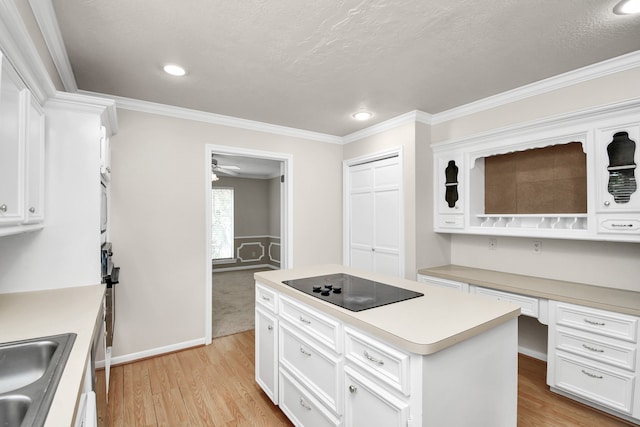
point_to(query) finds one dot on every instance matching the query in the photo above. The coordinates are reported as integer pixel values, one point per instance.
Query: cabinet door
(11, 146)
(368, 404)
(34, 161)
(266, 337)
(449, 170)
(618, 158)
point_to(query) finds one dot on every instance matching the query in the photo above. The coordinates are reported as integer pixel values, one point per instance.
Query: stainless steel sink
(29, 374)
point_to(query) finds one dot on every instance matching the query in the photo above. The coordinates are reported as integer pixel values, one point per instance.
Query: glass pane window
(222, 223)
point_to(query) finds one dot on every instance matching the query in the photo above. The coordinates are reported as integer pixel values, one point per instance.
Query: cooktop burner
(350, 292)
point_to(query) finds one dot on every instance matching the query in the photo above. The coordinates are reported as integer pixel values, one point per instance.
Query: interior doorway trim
(286, 215)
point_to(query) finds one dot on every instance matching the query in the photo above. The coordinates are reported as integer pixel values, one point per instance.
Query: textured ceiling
(311, 64)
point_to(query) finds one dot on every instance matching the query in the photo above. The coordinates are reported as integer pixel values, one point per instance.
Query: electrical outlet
(537, 246)
(493, 243)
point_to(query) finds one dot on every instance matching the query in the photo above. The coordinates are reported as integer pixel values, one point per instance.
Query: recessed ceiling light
(174, 70)
(627, 7)
(362, 115)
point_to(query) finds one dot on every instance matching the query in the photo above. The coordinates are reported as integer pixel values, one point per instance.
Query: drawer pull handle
(353, 389)
(593, 322)
(305, 405)
(305, 352)
(589, 374)
(373, 359)
(270, 327)
(303, 320)
(597, 350)
(3, 208)
(266, 298)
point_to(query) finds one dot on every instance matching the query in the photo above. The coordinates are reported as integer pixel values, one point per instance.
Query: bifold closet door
(374, 216)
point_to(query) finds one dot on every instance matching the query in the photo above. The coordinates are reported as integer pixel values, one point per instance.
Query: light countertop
(37, 314)
(617, 300)
(423, 325)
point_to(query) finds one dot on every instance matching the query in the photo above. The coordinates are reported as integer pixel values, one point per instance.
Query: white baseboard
(245, 267)
(132, 357)
(532, 353)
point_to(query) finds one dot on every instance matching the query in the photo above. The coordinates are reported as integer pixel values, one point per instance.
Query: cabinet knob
(270, 328)
(607, 203)
(32, 209)
(3, 208)
(353, 389)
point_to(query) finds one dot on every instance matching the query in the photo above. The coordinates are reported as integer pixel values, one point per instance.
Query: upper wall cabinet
(568, 177)
(21, 155)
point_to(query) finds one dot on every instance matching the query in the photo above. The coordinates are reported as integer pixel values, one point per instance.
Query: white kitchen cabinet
(35, 140)
(592, 194)
(618, 195)
(12, 145)
(450, 190)
(594, 357)
(21, 155)
(266, 341)
(332, 373)
(266, 336)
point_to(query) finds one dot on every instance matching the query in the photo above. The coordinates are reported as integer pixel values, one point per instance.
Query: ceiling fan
(229, 170)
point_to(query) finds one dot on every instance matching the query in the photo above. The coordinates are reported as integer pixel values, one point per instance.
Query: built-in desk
(593, 352)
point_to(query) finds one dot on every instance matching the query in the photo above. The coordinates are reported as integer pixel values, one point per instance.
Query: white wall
(607, 264)
(158, 219)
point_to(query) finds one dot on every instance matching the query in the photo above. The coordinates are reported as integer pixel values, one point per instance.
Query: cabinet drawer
(597, 321)
(301, 407)
(597, 348)
(383, 362)
(622, 224)
(368, 404)
(266, 297)
(314, 366)
(443, 283)
(320, 327)
(591, 381)
(529, 306)
(450, 221)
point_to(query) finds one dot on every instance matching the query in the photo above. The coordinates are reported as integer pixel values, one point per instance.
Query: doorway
(258, 236)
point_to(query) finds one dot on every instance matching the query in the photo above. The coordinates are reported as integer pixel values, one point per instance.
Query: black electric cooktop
(350, 292)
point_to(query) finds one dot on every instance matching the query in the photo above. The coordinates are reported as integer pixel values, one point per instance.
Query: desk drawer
(322, 328)
(591, 381)
(387, 364)
(601, 322)
(602, 349)
(529, 306)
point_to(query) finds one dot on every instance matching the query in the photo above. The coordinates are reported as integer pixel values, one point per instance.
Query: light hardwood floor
(214, 386)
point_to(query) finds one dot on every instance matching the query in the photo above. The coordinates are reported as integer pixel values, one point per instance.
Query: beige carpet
(233, 301)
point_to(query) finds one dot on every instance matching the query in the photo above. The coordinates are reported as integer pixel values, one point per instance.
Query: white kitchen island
(443, 359)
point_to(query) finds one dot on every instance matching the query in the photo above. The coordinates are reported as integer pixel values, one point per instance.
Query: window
(222, 223)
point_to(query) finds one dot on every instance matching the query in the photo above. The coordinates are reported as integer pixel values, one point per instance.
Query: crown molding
(590, 72)
(20, 51)
(217, 119)
(410, 117)
(48, 22)
(84, 102)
